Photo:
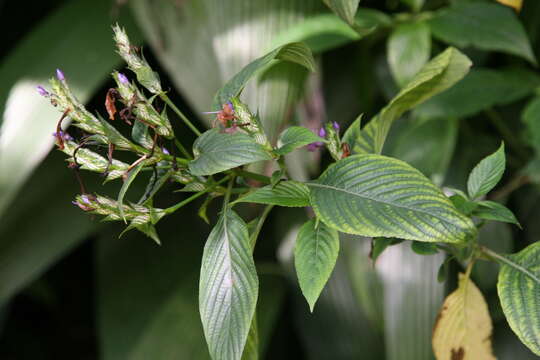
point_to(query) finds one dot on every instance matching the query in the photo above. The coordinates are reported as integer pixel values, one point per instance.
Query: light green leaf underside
(439, 74)
(297, 53)
(346, 9)
(286, 193)
(315, 255)
(215, 152)
(377, 196)
(408, 49)
(228, 288)
(519, 292)
(486, 174)
(486, 26)
(295, 137)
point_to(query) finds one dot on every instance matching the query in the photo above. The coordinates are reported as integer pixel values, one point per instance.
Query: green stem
(172, 209)
(186, 121)
(228, 193)
(258, 227)
(503, 259)
(182, 149)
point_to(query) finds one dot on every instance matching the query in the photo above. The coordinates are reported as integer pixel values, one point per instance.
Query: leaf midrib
(379, 201)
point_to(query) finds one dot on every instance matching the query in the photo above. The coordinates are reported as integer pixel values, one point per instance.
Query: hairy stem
(258, 227)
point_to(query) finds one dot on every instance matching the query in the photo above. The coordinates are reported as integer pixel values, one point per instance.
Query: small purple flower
(314, 146)
(335, 125)
(41, 91)
(123, 78)
(165, 151)
(85, 199)
(63, 135)
(60, 75)
(322, 132)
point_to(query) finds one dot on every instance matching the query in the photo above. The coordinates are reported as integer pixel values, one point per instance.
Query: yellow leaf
(516, 4)
(463, 328)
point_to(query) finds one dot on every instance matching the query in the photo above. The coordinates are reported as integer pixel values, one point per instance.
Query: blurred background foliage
(70, 289)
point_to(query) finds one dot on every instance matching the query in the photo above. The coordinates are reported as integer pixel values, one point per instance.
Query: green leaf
(139, 134)
(486, 174)
(519, 290)
(215, 152)
(484, 25)
(345, 9)
(464, 205)
(374, 195)
(228, 287)
(439, 74)
(86, 58)
(295, 137)
(469, 96)
(251, 350)
(125, 186)
(408, 49)
(531, 118)
(422, 248)
(320, 33)
(297, 53)
(315, 255)
(286, 193)
(491, 210)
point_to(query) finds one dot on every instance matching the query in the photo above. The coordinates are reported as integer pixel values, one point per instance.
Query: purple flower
(314, 146)
(165, 151)
(322, 132)
(123, 78)
(60, 75)
(41, 91)
(85, 199)
(335, 125)
(63, 135)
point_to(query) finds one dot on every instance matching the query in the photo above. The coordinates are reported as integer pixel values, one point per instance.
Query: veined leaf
(297, 53)
(315, 255)
(486, 174)
(215, 152)
(408, 48)
(491, 210)
(484, 25)
(436, 76)
(423, 248)
(463, 328)
(320, 33)
(286, 193)
(345, 9)
(519, 290)
(228, 288)
(374, 195)
(295, 137)
(468, 96)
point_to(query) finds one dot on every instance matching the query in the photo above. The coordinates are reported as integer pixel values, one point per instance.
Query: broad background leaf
(315, 255)
(518, 291)
(484, 25)
(408, 49)
(355, 194)
(346, 9)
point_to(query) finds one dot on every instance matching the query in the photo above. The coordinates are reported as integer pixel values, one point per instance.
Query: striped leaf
(315, 255)
(228, 288)
(436, 76)
(294, 137)
(286, 193)
(297, 53)
(345, 9)
(377, 196)
(486, 174)
(215, 152)
(463, 328)
(519, 291)
(491, 210)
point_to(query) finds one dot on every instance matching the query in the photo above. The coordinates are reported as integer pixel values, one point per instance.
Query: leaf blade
(315, 255)
(295, 137)
(228, 288)
(376, 196)
(486, 174)
(286, 193)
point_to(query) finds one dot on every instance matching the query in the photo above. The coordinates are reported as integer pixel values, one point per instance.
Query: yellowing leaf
(516, 4)
(463, 328)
